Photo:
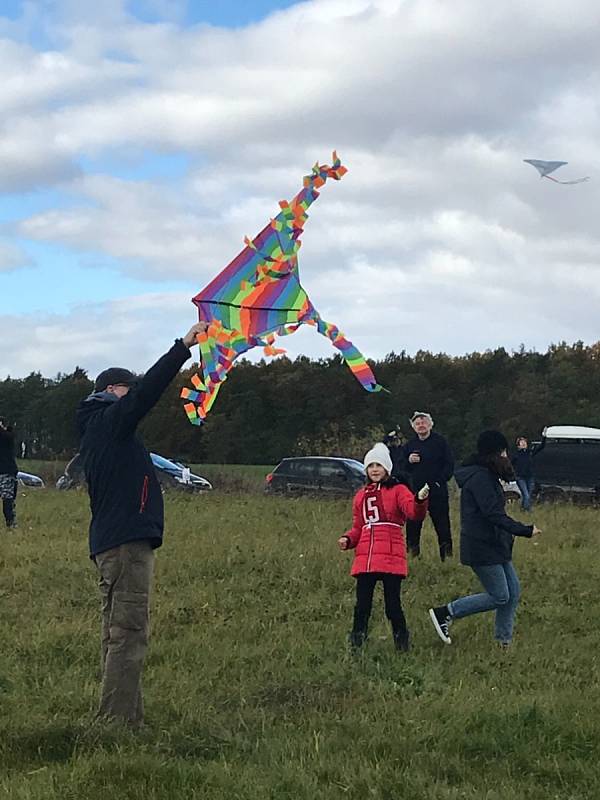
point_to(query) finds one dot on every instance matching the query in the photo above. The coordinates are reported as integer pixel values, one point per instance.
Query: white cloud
(131, 332)
(12, 257)
(438, 226)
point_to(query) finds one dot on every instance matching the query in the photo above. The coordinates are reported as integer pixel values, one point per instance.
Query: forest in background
(278, 408)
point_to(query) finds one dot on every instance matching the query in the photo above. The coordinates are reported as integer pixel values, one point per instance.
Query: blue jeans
(502, 592)
(526, 486)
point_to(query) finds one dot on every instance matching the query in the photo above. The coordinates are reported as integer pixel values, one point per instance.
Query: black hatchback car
(316, 474)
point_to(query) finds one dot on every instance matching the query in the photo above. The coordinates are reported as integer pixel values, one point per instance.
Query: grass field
(250, 690)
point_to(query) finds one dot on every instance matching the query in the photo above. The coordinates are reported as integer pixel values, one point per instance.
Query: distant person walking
(394, 441)
(8, 474)
(522, 461)
(427, 458)
(486, 540)
(379, 512)
(127, 518)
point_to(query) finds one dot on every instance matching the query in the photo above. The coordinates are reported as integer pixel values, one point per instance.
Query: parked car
(568, 467)
(175, 474)
(73, 476)
(512, 493)
(27, 479)
(318, 474)
(169, 473)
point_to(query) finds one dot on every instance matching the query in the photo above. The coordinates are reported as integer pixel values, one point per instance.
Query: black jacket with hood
(486, 530)
(125, 496)
(8, 465)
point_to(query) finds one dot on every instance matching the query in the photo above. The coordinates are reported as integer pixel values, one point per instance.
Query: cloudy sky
(140, 140)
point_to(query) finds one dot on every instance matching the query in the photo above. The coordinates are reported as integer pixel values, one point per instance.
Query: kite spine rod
(250, 308)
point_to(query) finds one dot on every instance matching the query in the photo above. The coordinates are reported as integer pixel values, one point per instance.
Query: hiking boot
(357, 639)
(402, 641)
(446, 551)
(441, 622)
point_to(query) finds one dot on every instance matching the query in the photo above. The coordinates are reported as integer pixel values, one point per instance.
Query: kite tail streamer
(567, 183)
(351, 355)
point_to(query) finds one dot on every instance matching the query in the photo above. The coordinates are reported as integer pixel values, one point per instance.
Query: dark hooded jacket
(125, 496)
(486, 530)
(522, 460)
(8, 465)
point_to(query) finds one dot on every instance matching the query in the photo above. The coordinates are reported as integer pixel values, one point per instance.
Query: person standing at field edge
(427, 458)
(379, 511)
(8, 474)
(522, 461)
(394, 440)
(486, 540)
(127, 518)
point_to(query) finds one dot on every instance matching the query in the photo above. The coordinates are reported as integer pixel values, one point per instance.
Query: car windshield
(355, 466)
(164, 463)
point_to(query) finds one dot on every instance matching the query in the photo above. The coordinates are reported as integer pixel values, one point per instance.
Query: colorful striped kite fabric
(258, 297)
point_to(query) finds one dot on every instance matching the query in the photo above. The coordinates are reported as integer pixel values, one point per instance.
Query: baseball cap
(416, 414)
(113, 376)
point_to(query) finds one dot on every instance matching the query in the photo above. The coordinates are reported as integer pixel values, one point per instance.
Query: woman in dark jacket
(486, 540)
(8, 474)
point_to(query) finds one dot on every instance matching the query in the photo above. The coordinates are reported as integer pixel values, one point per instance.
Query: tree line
(278, 408)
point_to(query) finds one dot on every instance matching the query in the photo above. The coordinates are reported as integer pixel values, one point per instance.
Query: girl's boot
(401, 636)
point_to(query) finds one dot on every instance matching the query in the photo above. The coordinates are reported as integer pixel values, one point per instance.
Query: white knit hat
(379, 454)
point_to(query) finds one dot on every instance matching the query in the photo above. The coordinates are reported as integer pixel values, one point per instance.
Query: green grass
(250, 690)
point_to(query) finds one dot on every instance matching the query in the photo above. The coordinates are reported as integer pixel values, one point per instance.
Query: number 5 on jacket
(371, 510)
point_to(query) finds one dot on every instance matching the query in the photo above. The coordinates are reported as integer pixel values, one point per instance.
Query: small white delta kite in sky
(546, 167)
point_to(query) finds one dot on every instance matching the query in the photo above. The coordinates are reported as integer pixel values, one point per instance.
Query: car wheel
(552, 495)
(512, 497)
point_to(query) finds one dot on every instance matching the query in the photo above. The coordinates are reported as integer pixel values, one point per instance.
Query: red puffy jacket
(379, 514)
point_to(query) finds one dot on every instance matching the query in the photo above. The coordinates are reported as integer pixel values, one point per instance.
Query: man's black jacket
(8, 465)
(435, 467)
(125, 496)
(486, 530)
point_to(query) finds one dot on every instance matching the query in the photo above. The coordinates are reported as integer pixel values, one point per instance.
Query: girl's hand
(343, 543)
(536, 531)
(423, 493)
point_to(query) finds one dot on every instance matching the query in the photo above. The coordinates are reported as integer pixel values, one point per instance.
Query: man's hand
(414, 458)
(423, 493)
(343, 542)
(190, 339)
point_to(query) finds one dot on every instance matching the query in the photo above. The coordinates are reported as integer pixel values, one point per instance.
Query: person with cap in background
(394, 440)
(486, 540)
(379, 511)
(427, 458)
(8, 474)
(127, 518)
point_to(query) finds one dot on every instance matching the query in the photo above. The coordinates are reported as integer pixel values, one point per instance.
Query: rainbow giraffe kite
(258, 296)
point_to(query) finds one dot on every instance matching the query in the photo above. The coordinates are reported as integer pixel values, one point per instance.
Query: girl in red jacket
(379, 513)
